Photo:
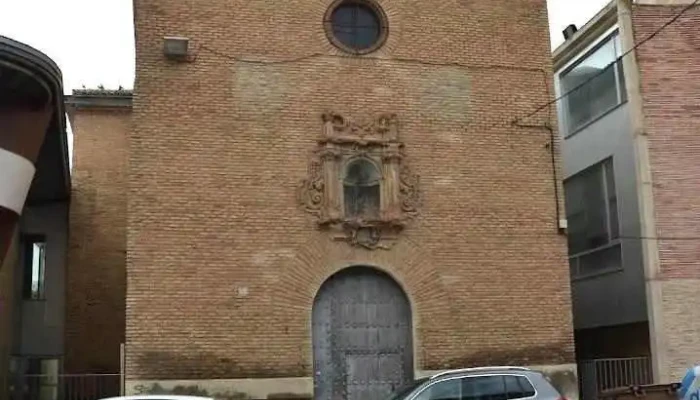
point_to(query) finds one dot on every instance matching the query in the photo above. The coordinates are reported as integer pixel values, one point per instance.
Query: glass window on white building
(593, 85)
(594, 226)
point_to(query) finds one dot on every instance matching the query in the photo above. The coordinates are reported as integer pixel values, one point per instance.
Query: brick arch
(407, 263)
(342, 355)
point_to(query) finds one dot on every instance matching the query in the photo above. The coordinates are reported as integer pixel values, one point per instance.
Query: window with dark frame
(594, 226)
(356, 25)
(594, 85)
(34, 265)
(361, 188)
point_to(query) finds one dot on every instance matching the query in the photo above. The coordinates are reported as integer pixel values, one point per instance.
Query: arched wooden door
(362, 336)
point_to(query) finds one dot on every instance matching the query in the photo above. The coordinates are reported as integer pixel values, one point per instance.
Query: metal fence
(610, 373)
(62, 387)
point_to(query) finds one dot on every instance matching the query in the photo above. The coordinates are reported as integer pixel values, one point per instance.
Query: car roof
(483, 370)
(159, 397)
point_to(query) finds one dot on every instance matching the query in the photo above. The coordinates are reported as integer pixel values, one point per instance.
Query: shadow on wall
(165, 365)
(195, 390)
(553, 354)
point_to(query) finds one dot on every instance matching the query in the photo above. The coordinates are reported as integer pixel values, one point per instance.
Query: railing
(63, 387)
(598, 375)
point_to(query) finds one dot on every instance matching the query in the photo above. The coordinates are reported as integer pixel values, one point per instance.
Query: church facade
(327, 198)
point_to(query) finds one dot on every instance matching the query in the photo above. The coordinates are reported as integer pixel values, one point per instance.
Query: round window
(356, 26)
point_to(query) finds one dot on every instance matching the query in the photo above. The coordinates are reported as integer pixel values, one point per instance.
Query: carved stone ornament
(322, 193)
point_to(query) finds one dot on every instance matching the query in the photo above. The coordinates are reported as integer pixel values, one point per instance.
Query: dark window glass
(484, 388)
(591, 208)
(362, 190)
(605, 259)
(612, 200)
(356, 25)
(621, 81)
(445, 390)
(594, 224)
(595, 84)
(404, 391)
(586, 210)
(518, 387)
(42, 378)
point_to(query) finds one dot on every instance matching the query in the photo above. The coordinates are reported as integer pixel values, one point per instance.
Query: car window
(406, 389)
(445, 390)
(484, 388)
(518, 387)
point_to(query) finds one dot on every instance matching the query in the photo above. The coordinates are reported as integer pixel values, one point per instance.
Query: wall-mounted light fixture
(176, 47)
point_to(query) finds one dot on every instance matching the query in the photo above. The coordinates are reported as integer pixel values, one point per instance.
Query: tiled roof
(103, 92)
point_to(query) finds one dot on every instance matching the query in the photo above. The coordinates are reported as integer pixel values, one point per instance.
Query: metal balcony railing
(61, 387)
(596, 376)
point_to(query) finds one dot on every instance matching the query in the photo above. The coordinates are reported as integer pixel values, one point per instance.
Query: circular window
(356, 26)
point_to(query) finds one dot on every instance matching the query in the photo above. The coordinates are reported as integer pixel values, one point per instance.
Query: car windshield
(405, 390)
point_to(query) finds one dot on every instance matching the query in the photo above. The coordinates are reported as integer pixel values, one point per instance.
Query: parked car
(487, 383)
(159, 397)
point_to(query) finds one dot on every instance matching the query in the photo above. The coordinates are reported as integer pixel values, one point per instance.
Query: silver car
(159, 397)
(488, 383)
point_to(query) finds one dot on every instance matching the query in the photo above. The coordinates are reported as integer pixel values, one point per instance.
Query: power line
(306, 57)
(364, 57)
(476, 66)
(661, 238)
(636, 46)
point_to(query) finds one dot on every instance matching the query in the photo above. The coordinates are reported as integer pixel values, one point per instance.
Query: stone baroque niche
(324, 192)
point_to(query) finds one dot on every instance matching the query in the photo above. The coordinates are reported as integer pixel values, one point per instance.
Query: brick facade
(223, 264)
(671, 98)
(96, 268)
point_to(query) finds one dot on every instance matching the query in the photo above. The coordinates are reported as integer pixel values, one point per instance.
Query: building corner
(645, 194)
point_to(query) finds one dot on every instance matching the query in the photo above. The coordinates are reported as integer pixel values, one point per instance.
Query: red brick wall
(671, 91)
(671, 97)
(96, 268)
(220, 146)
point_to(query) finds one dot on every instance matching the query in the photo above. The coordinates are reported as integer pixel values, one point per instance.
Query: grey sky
(95, 42)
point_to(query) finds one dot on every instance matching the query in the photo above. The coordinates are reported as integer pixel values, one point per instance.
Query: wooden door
(362, 336)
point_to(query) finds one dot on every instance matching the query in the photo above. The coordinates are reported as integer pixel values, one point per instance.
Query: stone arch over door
(362, 336)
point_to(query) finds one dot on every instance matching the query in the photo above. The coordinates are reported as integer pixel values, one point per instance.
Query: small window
(361, 188)
(356, 25)
(518, 387)
(34, 285)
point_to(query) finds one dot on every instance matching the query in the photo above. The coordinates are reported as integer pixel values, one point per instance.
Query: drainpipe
(645, 195)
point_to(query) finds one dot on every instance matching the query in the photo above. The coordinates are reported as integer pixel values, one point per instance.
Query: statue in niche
(359, 185)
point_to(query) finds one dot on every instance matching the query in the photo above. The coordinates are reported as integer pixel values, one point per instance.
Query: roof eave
(95, 100)
(45, 68)
(589, 33)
